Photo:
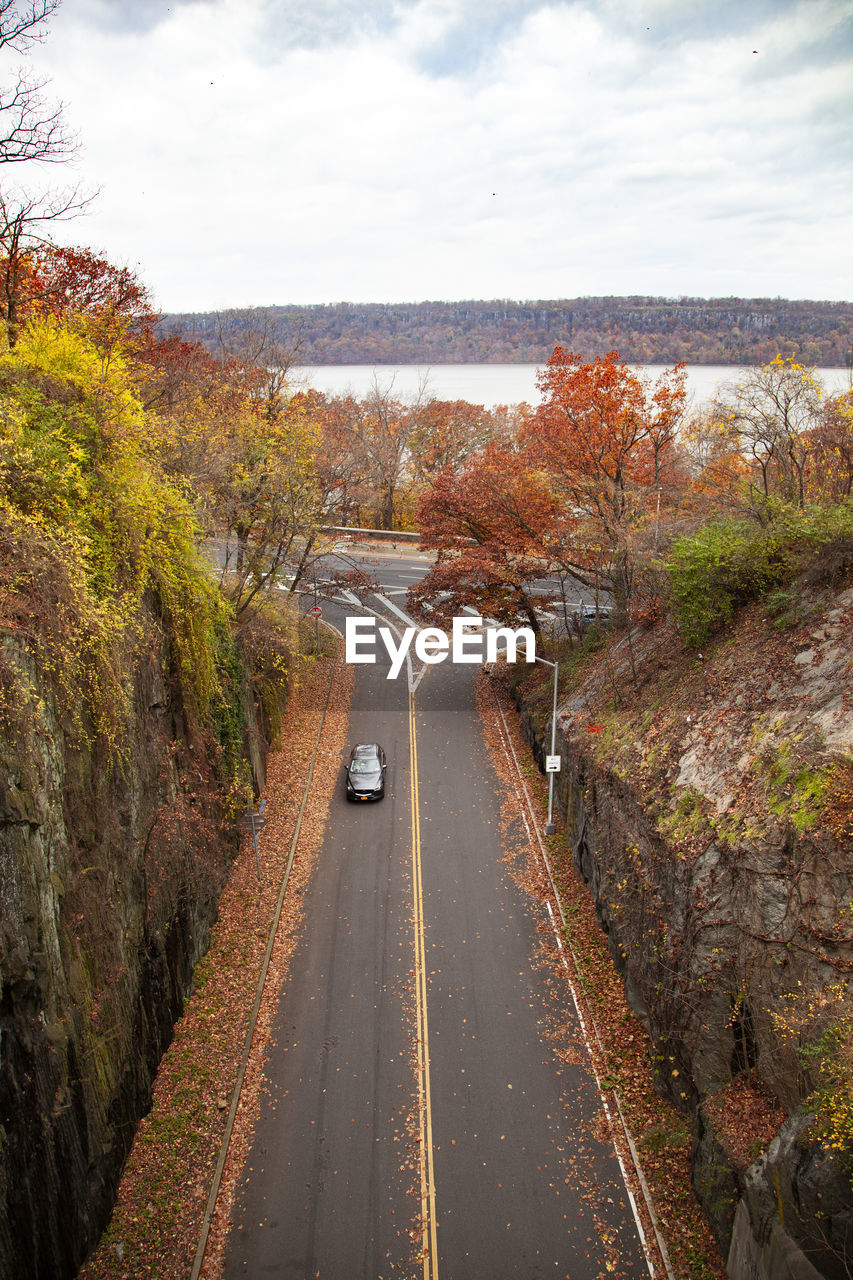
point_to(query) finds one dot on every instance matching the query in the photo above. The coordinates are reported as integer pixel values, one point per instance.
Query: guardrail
(375, 535)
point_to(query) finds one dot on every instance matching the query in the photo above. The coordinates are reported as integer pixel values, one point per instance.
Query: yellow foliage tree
(75, 463)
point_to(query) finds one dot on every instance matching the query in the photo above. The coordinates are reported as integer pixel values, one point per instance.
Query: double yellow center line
(428, 1214)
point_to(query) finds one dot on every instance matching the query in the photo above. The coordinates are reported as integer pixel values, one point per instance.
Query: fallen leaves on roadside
(622, 1049)
(163, 1194)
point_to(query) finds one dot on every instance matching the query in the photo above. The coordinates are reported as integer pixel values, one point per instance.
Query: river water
(491, 384)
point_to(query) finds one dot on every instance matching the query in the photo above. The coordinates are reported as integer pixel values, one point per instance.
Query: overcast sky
(251, 152)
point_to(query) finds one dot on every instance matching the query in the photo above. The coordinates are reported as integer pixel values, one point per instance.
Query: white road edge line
(635, 1157)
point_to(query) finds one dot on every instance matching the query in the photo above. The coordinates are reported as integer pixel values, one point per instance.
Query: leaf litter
(621, 1047)
(164, 1189)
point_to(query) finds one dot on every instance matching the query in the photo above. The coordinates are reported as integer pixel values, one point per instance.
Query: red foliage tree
(78, 282)
(487, 523)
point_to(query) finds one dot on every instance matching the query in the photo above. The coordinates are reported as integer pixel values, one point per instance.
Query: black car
(366, 772)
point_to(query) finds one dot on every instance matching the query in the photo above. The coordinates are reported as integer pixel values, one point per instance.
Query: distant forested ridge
(644, 330)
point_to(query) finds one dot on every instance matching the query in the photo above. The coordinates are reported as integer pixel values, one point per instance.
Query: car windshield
(364, 765)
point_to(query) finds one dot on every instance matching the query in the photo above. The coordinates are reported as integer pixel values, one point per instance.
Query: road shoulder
(164, 1191)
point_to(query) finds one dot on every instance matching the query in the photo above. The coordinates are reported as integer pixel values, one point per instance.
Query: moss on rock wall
(111, 871)
(707, 807)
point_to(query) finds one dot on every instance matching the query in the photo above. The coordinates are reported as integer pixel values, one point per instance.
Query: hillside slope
(643, 330)
(709, 806)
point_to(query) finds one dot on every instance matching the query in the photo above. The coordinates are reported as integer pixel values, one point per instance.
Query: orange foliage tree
(565, 496)
(488, 522)
(829, 473)
(446, 434)
(606, 437)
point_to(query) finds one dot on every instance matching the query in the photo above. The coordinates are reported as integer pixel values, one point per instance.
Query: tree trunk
(621, 583)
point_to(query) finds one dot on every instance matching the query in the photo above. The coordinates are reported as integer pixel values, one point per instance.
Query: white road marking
(389, 604)
(560, 931)
(413, 680)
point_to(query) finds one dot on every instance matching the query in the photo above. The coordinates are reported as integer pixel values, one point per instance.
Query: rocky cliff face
(708, 807)
(110, 870)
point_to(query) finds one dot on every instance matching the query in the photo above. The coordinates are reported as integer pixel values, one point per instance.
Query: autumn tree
(606, 437)
(87, 291)
(266, 498)
(252, 472)
(446, 433)
(258, 473)
(379, 451)
(25, 221)
(343, 472)
(487, 522)
(76, 468)
(830, 475)
(194, 407)
(175, 372)
(714, 461)
(77, 280)
(771, 413)
(31, 129)
(382, 430)
(253, 337)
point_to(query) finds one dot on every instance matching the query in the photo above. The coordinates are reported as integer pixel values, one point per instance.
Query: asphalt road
(418, 1120)
(396, 571)
(328, 1190)
(399, 571)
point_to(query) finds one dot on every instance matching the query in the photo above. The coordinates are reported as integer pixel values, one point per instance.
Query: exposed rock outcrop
(110, 871)
(786, 1192)
(705, 806)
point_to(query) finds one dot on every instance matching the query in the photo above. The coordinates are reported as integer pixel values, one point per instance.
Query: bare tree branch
(24, 25)
(32, 128)
(253, 335)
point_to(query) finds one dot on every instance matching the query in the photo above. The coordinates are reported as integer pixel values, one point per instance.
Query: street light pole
(550, 828)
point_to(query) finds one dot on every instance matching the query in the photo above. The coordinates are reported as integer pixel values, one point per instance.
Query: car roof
(366, 749)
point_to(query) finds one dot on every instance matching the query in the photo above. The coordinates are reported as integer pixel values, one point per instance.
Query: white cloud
(253, 152)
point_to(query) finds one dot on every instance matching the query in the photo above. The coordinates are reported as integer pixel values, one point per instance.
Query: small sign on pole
(256, 821)
(552, 764)
(316, 612)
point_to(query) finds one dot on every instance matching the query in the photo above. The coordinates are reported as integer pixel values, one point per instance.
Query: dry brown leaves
(621, 1049)
(165, 1186)
(745, 1118)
